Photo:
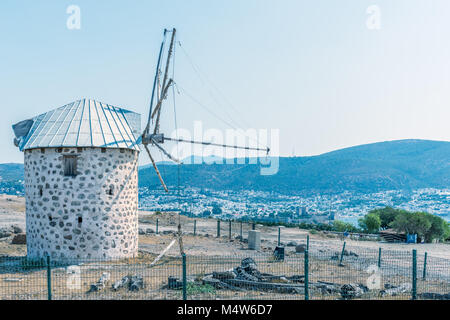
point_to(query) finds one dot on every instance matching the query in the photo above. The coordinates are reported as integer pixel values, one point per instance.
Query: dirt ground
(168, 222)
(207, 253)
(12, 211)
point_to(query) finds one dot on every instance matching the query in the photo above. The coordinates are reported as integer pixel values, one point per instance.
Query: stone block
(254, 240)
(20, 238)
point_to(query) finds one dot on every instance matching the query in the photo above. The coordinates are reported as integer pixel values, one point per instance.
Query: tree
(206, 213)
(216, 210)
(438, 229)
(447, 232)
(371, 223)
(341, 226)
(387, 215)
(412, 223)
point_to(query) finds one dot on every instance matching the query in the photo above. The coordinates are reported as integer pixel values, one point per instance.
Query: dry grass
(12, 203)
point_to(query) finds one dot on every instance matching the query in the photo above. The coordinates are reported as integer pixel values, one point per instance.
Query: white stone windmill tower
(81, 174)
(81, 187)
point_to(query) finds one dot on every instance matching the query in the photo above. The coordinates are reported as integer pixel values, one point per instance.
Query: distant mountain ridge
(11, 172)
(391, 165)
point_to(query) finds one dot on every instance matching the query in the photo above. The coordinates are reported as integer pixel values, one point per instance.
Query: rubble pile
(246, 276)
(133, 283)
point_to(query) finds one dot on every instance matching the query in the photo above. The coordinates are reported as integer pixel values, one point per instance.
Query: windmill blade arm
(156, 169)
(163, 96)
(165, 152)
(217, 144)
(155, 83)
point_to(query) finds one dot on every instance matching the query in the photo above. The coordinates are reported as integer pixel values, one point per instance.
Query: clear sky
(312, 69)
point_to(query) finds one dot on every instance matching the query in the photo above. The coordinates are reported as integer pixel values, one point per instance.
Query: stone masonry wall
(88, 216)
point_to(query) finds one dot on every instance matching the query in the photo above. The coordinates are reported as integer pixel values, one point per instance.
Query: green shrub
(341, 226)
(387, 215)
(425, 225)
(371, 223)
(197, 288)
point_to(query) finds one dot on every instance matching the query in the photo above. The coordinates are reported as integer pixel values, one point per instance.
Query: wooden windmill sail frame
(161, 88)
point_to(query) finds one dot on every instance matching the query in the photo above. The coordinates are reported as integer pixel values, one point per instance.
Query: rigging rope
(213, 113)
(226, 100)
(203, 82)
(203, 79)
(199, 73)
(176, 124)
(180, 233)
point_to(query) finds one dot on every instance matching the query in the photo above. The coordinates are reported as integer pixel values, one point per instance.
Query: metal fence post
(218, 228)
(342, 254)
(229, 230)
(414, 275)
(307, 242)
(184, 277)
(279, 236)
(306, 275)
(157, 225)
(49, 279)
(195, 227)
(379, 257)
(241, 232)
(424, 276)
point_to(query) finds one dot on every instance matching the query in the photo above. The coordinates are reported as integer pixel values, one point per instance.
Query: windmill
(151, 135)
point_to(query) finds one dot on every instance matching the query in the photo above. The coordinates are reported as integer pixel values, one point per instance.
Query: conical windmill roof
(83, 123)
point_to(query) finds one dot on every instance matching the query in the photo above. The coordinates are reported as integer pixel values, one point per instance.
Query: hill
(403, 164)
(11, 171)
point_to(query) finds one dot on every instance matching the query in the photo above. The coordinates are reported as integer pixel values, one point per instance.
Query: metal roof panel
(84, 123)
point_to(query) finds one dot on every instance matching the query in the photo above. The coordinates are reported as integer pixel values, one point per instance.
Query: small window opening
(41, 192)
(80, 219)
(70, 166)
(42, 150)
(110, 190)
(50, 218)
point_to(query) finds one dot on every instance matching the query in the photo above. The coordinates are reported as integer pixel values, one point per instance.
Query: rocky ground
(12, 213)
(167, 223)
(208, 253)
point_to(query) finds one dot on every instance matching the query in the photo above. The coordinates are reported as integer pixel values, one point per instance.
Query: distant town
(270, 206)
(265, 206)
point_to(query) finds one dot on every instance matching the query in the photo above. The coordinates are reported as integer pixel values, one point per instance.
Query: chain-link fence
(311, 273)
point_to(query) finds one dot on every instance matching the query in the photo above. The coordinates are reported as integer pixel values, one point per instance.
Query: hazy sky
(312, 69)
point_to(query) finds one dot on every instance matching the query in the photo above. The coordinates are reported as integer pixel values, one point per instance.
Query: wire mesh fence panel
(350, 272)
(166, 224)
(127, 279)
(433, 281)
(228, 229)
(396, 281)
(22, 279)
(356, 273)
(249, 277)
(246, 227)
